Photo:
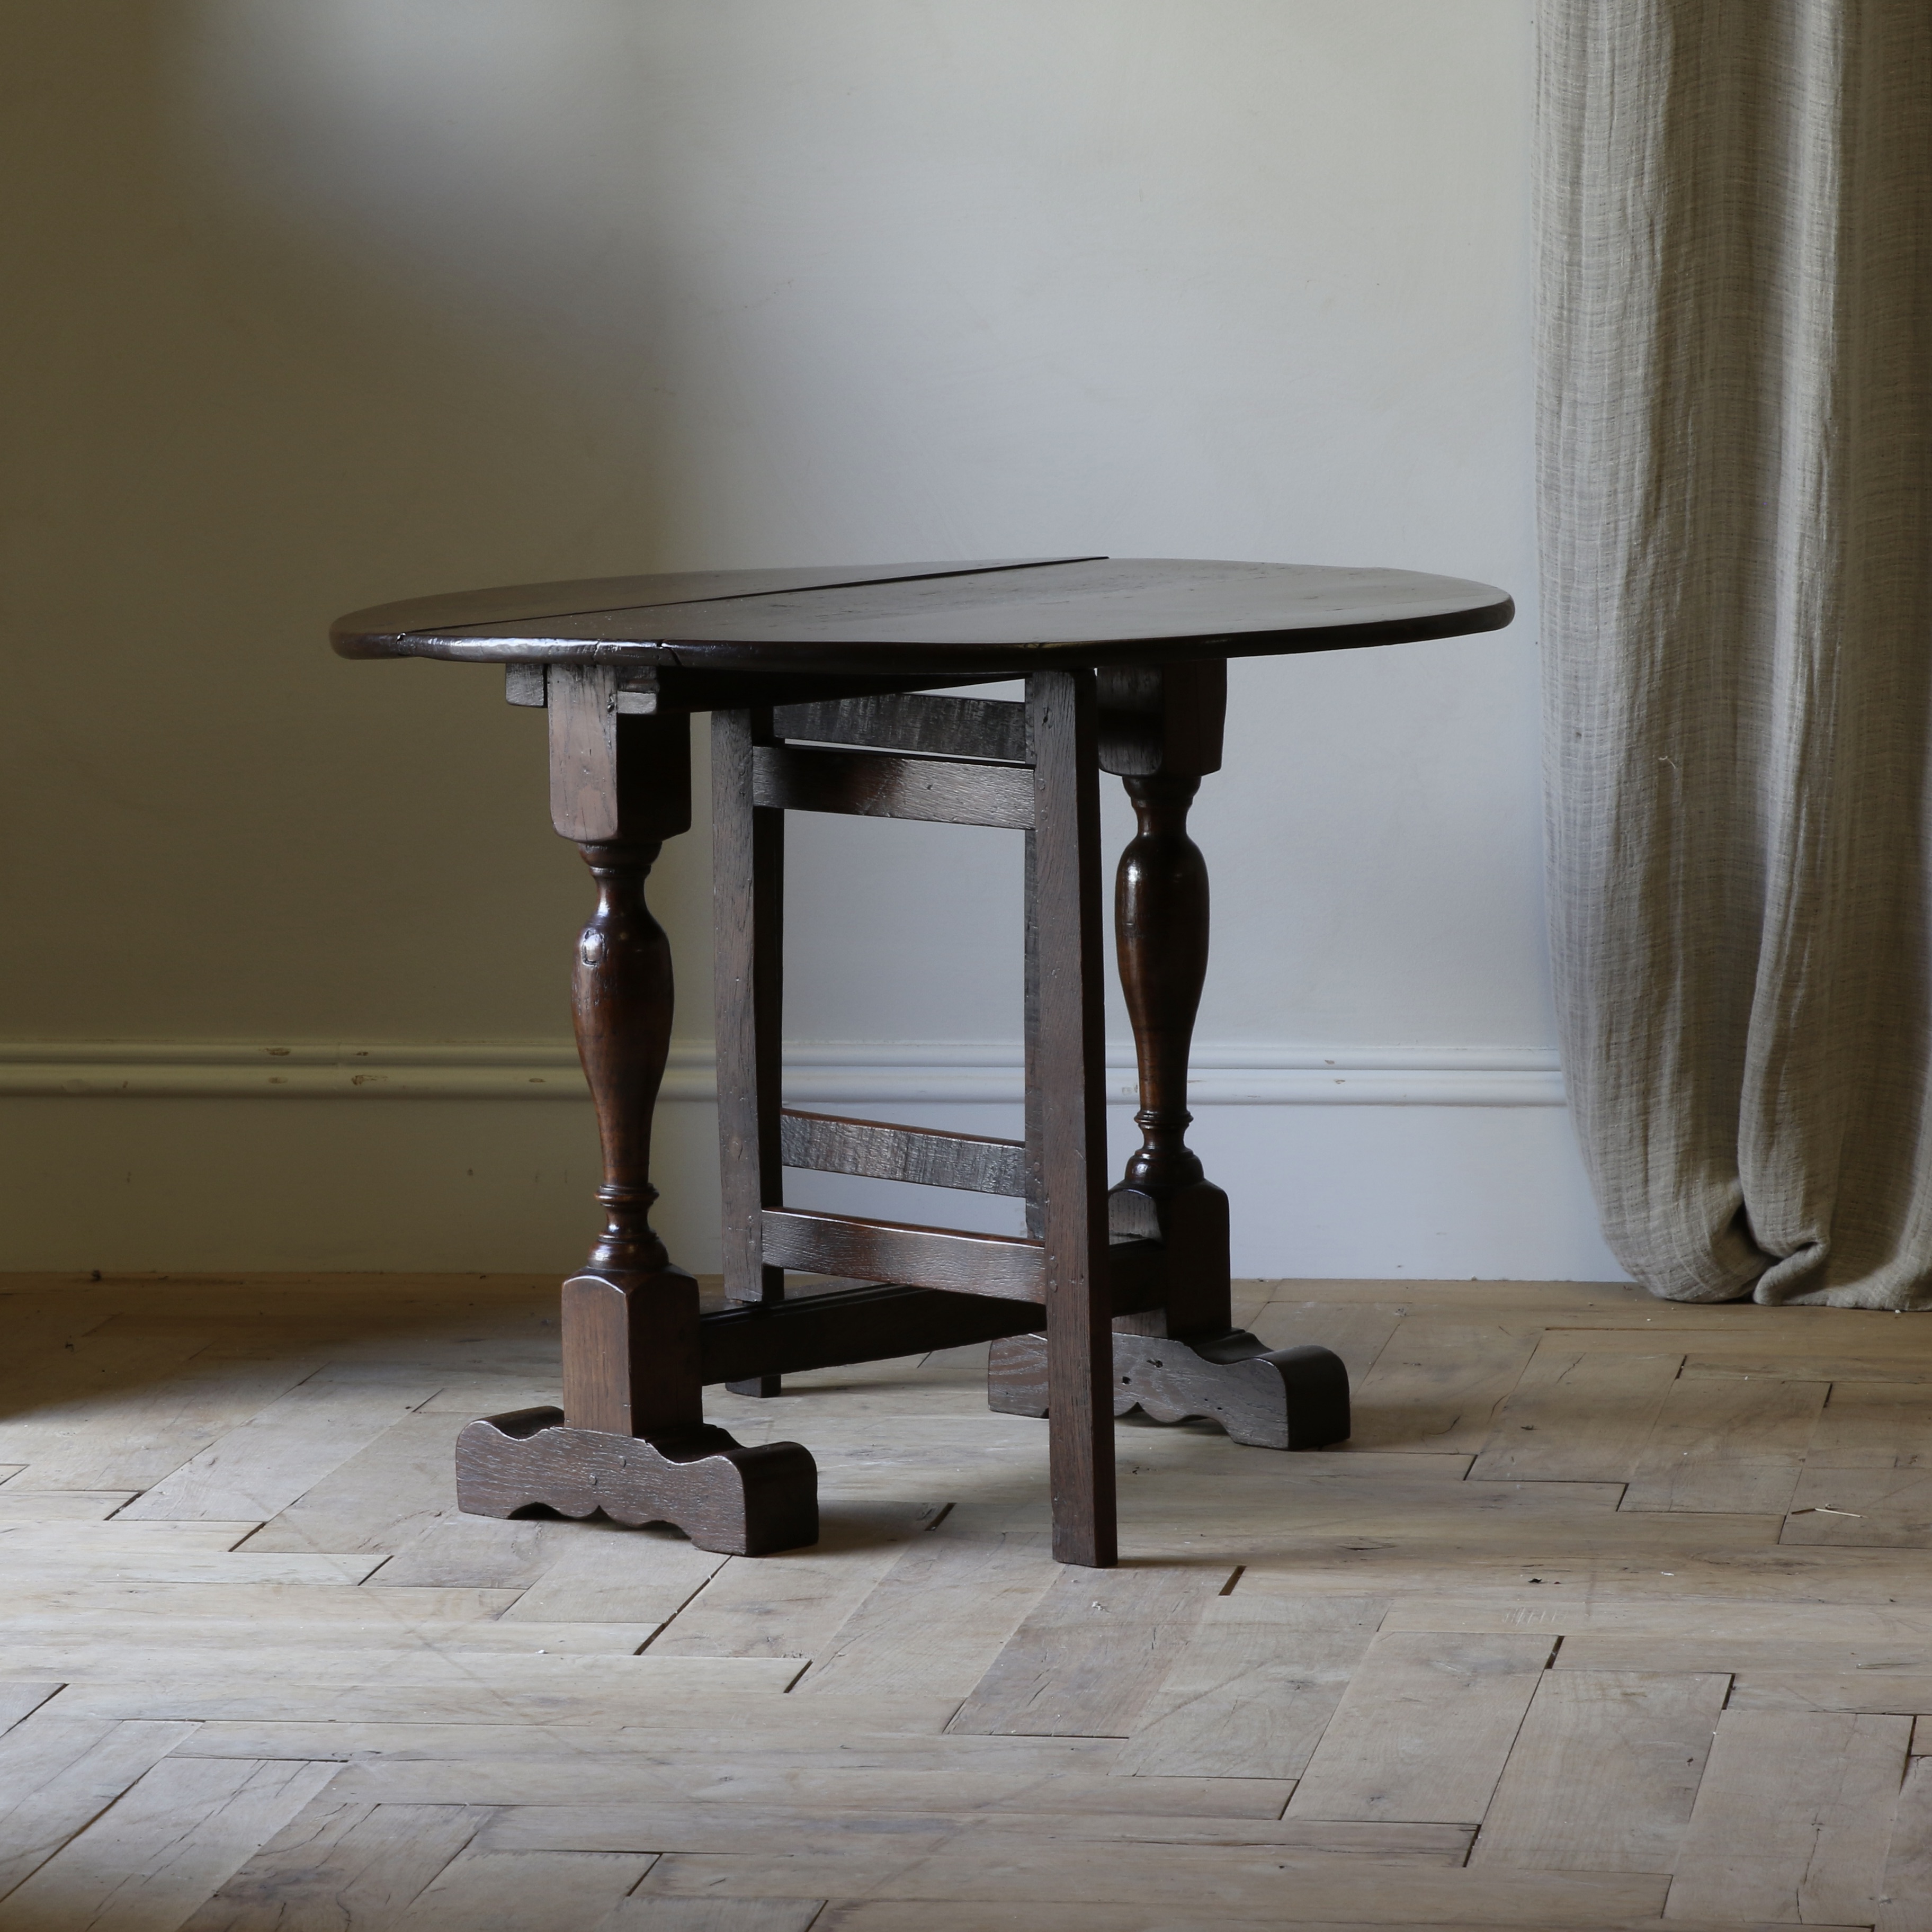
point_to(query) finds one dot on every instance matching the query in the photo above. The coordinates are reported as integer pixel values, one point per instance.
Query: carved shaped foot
(1269, 1398)
(725, 1497)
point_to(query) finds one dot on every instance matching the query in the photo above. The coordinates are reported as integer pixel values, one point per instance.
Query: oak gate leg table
(821, 684)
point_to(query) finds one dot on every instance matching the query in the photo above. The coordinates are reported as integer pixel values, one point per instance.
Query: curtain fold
(1735, 482)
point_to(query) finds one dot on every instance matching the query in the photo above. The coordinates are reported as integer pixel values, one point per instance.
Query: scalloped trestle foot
(1268, 1398)
(725, 1497)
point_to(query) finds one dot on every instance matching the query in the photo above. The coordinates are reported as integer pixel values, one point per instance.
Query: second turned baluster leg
(1160, 732)
(1160, 925)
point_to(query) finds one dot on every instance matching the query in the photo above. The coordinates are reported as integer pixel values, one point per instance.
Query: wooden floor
(1614, 1613)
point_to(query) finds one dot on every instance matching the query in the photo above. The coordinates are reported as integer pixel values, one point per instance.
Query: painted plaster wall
(323, 302)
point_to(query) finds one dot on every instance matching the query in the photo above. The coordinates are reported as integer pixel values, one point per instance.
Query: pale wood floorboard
(19, 1698)
(1727, 1444)
(1603, 1774)
(1424, 1729)
(825, 1830)
(1867, 1478)
(754, 1776)
(50, 1506)
(176, 1835)
(280, 1454)
(1793, 1817)
(1905, 1894)
(479, 1889)
(1254, 1690)
(338, 1862)
(1614, 1613)
(1842, 1371)
(1578, 1413)
(1438, 1382)
(126, 1428)
(1090, 1653)
(1237, 1882)
(715, 1915)
(939, 1619)
(967, 1915)
(57, 1774)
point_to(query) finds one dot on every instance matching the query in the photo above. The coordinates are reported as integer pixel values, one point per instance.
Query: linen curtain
(1735, 455)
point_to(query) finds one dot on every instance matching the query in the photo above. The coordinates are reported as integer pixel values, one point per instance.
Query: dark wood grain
(1162, 718)
(622, 1005)
(890, 785)
(893, 1251)
(822, 1328)
(660, 686)
(581, 703)
(1161, 928)
(613, 777)
(748, 910)
(1035, 1211)
(631, 1351)
(364, 633)
(944, 728)
(1069, 1059)
(1191, 1225)
(829, 1143)
(630, 1321)
(1160, 917)
(874, 1323)
(630, 1437)
(744, 1501)
(1293, 1398)
(1136, 1277)
(1125, 666)
(1161, 729)
(987, 623)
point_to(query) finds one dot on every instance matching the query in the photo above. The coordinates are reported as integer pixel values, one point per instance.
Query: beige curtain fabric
(1735, 209)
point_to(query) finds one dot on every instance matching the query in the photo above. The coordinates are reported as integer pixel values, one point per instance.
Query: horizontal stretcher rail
(1003, 1266)
(945, 728)
(831, 1143)
(872, 1324)
(886, 784)
(1013, 1269)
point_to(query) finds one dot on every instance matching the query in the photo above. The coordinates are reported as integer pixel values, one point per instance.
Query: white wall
(337, 301)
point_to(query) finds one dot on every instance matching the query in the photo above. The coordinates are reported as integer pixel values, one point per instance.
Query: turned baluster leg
(1160, 927)
(630, 1439)
(1161, 733)
(620, 785)
(621, 998)
(630, 1319)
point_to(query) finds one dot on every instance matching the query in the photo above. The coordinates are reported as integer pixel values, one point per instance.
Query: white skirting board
(1341, 1162)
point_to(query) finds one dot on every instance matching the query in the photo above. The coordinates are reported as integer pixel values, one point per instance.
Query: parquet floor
(1614, 1613)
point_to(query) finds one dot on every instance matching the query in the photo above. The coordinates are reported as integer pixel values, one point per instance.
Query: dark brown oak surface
(1116, 1297)
(973, 619)
(365, 633)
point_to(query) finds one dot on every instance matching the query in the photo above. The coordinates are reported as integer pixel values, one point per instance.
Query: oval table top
(999, 619)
